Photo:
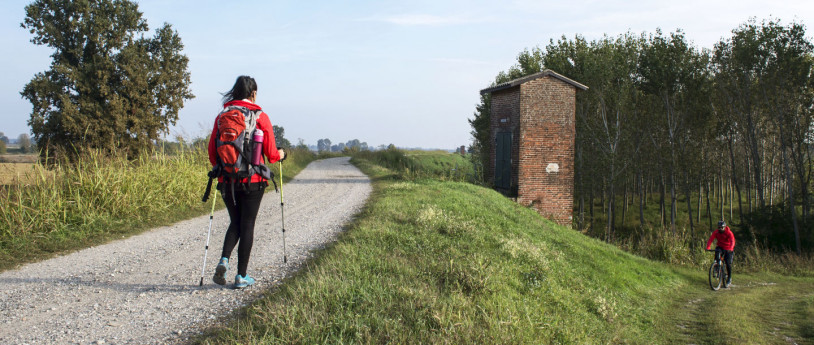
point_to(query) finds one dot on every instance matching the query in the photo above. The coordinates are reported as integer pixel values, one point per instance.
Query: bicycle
(717, 273)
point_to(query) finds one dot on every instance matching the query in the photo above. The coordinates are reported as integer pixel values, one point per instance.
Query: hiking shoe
(220, 271)
(241, 282)
(728, 281)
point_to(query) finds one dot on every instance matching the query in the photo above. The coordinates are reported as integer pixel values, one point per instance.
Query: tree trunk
(721, 193)
(790, 186)
(611, 211)
(709, 211)
(673, 205)
(641, 199)
(804, 191)
(735, 179)
(771, 181)
(687, 192)
(730, 199)
(662, 206)
(756, 170)
(749, 184)
(624, 206)
(591, 206)
(581, 220)
(700, 194)
(716, 192)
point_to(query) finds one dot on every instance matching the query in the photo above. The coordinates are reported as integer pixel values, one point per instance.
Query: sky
(406, 73)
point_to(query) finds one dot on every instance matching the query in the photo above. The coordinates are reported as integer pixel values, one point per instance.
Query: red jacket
(726, 240)
(269, 143)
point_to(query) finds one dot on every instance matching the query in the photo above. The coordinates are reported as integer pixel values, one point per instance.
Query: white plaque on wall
(552, 168)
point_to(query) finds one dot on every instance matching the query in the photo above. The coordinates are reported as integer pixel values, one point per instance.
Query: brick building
(533, 133)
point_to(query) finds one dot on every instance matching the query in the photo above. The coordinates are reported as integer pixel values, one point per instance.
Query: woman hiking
(242, 196)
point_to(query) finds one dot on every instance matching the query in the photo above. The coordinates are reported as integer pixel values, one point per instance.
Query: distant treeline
(726, 130)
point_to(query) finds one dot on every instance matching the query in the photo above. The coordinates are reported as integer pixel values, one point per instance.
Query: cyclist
(725, 246)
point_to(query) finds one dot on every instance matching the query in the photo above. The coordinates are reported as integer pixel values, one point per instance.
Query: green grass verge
(99, 199)
(448, 262)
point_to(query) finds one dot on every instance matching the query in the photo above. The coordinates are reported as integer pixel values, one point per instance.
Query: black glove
(285, 155)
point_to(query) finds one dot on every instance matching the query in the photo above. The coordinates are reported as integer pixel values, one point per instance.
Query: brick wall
(546, 155)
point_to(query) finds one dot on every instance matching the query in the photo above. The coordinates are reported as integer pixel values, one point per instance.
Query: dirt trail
(144, 289)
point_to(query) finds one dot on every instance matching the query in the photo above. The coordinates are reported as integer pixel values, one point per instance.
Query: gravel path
(144, 289)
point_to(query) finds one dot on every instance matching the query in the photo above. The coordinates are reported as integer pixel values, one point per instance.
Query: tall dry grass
(47, 208)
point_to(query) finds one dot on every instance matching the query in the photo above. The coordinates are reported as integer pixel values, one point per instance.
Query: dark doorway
(503, 160)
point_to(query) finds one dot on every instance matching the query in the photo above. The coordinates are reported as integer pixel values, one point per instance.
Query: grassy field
(99, 199)
(431, 261)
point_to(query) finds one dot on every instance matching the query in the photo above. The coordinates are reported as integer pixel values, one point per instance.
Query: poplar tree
(109, 86)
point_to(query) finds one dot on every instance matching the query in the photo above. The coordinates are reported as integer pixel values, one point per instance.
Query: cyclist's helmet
(721, 224)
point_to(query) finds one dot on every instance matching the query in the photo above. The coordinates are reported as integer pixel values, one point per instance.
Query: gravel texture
(144, 289)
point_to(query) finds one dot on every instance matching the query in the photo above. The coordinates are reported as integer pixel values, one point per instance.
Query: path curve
(144, 289)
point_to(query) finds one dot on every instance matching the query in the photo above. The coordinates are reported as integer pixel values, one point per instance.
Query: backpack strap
(251, 120)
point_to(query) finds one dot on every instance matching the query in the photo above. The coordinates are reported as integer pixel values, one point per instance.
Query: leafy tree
(338, 147)
(301, 144)
(354, 143)
(2, 147)
(481, 143)
(109, 86)
(324, 145)
(279, 136)
(25, 143)
(3, 138)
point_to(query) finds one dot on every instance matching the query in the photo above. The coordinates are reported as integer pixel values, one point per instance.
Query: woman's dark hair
(244, 86)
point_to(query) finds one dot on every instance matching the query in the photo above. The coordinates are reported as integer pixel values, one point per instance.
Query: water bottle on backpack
(257, 150)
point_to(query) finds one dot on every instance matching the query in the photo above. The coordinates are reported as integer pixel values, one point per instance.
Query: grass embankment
(449, 262)
(70, 207)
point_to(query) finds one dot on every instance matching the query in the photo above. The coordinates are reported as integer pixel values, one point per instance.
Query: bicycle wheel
(715, 278)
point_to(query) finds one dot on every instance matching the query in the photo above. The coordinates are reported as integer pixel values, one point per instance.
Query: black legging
(242, 213)
(728, 254)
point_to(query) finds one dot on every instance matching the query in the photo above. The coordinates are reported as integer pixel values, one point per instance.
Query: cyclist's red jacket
(726, 240)
(269, 143)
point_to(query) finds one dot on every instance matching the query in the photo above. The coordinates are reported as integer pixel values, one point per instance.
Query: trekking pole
(206, 249)
(282, 211)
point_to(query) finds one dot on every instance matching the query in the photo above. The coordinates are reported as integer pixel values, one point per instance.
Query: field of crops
(9, 172)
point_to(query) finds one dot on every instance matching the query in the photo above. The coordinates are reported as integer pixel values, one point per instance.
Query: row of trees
(664, 116)
(324, 145)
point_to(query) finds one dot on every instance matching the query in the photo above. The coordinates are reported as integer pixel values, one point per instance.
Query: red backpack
(235, 127)
(233, 144)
